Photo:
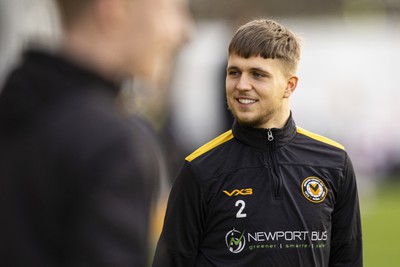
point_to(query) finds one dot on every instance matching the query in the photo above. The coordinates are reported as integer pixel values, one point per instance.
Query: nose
(243, 83)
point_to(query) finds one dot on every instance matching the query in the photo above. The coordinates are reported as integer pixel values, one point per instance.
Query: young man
(266, 193)
(76, 176)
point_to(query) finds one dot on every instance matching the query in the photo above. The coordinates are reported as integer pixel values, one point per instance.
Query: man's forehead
(253, 62)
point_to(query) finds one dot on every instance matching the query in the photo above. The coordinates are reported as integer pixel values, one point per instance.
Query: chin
(246, 119)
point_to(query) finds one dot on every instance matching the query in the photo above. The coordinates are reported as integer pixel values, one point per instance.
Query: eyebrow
(232, 68)
(255, 69)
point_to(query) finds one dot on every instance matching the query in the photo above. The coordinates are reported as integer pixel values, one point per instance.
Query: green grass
(381, 226)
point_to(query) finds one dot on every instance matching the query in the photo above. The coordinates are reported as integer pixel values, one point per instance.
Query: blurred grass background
(381, 225)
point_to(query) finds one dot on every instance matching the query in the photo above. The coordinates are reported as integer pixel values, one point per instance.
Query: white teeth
(246, 101)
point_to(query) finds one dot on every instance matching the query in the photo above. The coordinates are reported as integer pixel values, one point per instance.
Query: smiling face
(258, 91)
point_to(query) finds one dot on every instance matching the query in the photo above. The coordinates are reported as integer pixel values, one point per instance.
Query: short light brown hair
(71, 10)
(268, 39)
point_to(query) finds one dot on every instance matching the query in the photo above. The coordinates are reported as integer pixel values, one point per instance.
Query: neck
(278, 119)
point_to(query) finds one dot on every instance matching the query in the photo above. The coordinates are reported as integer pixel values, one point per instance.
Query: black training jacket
(76, 176)
(263, 197)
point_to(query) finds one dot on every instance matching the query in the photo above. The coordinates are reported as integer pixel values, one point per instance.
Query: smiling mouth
(246, 101)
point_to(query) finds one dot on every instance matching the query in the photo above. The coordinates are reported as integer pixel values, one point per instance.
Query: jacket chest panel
(249, 193)
(244, 207)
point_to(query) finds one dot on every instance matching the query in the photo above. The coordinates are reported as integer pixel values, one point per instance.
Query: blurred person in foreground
(267, 192)
(77, 176)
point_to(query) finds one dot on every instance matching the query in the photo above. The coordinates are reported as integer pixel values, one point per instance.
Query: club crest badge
(314, 189)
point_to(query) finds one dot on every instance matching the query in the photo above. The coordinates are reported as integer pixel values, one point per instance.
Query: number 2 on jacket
(240, 213)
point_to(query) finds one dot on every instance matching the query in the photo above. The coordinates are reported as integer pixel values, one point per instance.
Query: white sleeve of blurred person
(23, 22)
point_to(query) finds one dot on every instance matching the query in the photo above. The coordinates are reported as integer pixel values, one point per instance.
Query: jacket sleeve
(346, 241)
(184, 222)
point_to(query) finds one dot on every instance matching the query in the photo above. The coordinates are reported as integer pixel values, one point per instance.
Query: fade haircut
(268, 39)
(71, 10)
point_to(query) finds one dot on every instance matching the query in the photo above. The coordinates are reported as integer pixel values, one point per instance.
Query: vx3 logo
(239, 192)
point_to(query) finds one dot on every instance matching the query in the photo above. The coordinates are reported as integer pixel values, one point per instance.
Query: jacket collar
(258, 137)
(73, 74)
(43, 76)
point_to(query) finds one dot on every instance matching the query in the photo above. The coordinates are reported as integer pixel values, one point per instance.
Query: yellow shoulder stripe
(319, 138)
(210, 145)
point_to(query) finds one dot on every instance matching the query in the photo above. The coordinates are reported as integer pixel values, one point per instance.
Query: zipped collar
(257, 137)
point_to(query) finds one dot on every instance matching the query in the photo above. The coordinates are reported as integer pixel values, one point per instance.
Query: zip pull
(270, 137)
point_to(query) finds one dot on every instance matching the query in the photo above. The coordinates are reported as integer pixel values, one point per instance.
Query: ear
(291, 86)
